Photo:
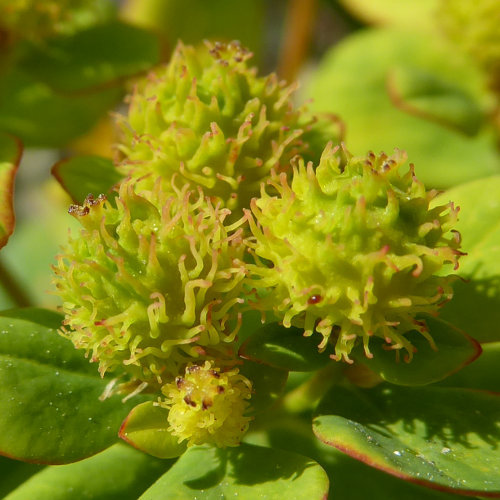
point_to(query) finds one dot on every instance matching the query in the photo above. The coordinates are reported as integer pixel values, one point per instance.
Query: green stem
(13, 289)
(306, 396)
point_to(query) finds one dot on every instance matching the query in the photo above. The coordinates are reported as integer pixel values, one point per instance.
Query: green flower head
(210, 119)
(207, 405)
(352, 250)
(152, 282)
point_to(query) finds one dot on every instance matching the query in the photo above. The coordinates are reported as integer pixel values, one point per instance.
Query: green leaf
(146, 428)
(407, 15)
(352, 82)
(481, 374)
(32, 111)
(344, 472)
(13, 473)
(438, 437)
(119, 473)
(426, 95)
(455, 349)
(285, 348)
(475, 306)
(245, 472)
(10, 156)
(82, 175)
(93, 57)
(51, 411)
(268, 384)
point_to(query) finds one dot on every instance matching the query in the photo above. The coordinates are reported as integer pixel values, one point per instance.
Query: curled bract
(352, 250)
(151, 283)
(208, 117)
(207, 405)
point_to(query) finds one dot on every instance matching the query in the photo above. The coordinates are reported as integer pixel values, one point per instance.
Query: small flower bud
(208, 406)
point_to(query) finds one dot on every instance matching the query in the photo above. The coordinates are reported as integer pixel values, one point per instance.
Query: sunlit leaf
(245, 472)
(443, 438)
(146, 428)
(352, 81)
(119, 473)
(424, 94)
(51, 411)
(475, 306)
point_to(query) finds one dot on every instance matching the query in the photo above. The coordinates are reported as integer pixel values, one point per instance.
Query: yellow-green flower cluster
(352, 250)
(151, 283)
(38, 19)
(207, 405)
(209, 119)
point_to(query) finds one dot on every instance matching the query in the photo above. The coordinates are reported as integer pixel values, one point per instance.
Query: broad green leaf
(482, 373)
(146, 428)
(285, 348)
(455, 349)
(51, 411)
(424, 94)
(444, 438)
(409, 15)
(475, 306)
(245, 472)
(268, 384)
(32, 111)
(352, 81)
(13, 473)
(10, 155)
(93, 57)
(294, 434)
(119, 473)
(83, 175)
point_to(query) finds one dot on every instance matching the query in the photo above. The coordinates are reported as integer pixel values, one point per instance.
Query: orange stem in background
(299, 24)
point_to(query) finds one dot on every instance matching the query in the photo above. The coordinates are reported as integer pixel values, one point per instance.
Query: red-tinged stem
(299, 26)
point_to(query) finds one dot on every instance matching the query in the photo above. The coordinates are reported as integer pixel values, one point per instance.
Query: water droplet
(445, 451)
(397, 453)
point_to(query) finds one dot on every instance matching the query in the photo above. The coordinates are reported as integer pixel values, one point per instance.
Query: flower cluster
(156, 283)
(352, 250)
(209, 119)
(152, 282)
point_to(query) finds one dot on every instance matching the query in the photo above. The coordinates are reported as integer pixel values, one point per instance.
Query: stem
(299, 25)
(13, 289)
(306, 396)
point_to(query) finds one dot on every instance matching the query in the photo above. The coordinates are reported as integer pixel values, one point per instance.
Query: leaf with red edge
(454, 350)
(10, 156)
(442, 438)
(83, 175)
(146, 428)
